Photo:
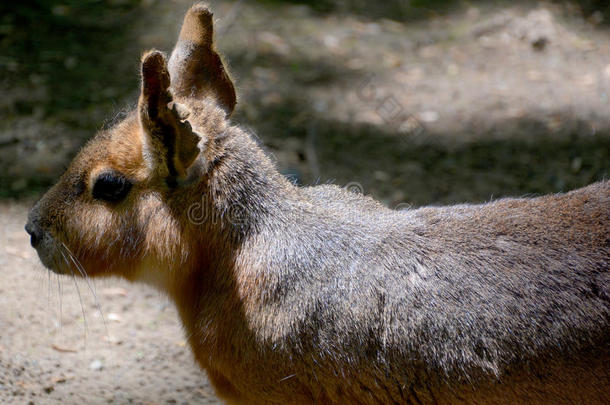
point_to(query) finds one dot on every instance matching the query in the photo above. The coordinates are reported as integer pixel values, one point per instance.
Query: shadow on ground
(408, 11)
(65, 82)
(398, 10)
(60, 79)
(424, 167)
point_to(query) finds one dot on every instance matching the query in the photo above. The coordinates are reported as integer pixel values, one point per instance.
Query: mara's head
(122, 200)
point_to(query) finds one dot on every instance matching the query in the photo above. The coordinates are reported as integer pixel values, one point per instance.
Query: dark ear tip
(202, 11)
(198, 26)
(155, 76)
(153, 61)
(200, 14)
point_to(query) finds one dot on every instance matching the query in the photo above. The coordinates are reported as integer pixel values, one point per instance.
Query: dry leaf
(114, 291)
(62, 349)
(113, 340)
(59, 380)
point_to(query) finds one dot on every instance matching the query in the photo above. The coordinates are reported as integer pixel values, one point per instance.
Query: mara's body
(342, 300)
(319, 295)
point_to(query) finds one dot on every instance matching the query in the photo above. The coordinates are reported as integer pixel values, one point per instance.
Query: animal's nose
(35, 233)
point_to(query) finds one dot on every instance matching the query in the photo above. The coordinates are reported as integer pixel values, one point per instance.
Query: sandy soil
(427, 112)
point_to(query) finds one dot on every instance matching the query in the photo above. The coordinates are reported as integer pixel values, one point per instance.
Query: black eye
(111, 187)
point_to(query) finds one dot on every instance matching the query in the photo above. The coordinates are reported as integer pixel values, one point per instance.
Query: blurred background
(414, 102)
(417, 101)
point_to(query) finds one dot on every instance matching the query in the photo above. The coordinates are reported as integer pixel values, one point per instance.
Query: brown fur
(318, 295)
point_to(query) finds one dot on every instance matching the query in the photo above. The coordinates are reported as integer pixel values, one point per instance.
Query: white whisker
(84, 274)
(80, 298)
(60, 305)
(48, 290)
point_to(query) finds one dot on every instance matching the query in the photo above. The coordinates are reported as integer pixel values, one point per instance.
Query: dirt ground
(484, 100)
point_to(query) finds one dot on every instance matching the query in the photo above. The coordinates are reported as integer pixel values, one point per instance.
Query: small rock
(538, 28)
(49, 389)
(114, 317)
(96, 365)
(428, 116)
(330, 41)
(540, 43)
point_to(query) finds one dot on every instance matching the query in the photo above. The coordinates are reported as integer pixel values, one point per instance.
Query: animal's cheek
(92, 227)
(163, 238)
(95, 238)
(160, 235)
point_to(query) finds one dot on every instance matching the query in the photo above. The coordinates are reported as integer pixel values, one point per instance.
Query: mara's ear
(195, 68)
(170, 143)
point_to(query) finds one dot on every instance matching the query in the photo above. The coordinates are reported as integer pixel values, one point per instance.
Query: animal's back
(441, 297)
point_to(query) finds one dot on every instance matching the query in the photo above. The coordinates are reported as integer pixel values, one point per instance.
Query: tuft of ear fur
(170, 140)
(196, 69)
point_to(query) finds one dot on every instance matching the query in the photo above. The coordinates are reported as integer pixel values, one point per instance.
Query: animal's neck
(243, 195)
(239, 193)
(243, 189)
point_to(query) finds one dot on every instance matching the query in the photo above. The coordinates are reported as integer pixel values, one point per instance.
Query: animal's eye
(111, 187)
